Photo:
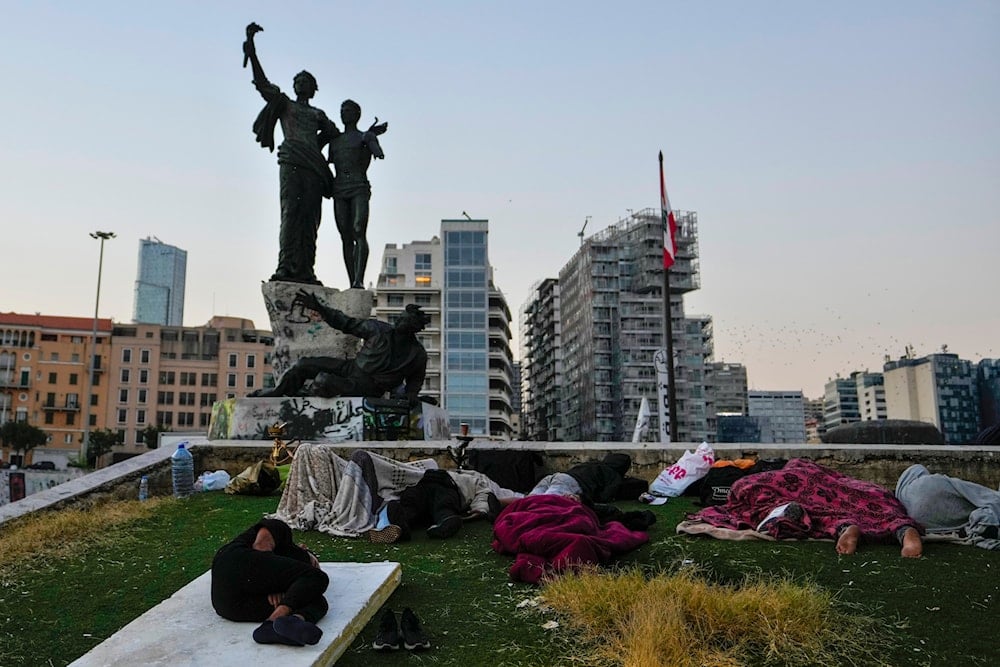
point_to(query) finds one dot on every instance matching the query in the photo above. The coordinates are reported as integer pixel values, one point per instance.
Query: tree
(101, 442)
(151, 435)
(22, 436)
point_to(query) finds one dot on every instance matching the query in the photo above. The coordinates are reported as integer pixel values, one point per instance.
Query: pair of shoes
(386, 535)
(290, 630)
(445, 528)
(408, 632)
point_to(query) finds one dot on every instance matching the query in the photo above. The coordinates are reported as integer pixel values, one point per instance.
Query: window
(165, 398)
(127, 355)
(203, 419)
(232, 359)
(126, 375)
(209, 379)
(93, 400)
(185, 419)
(422, 261)
(189, 379)
(251, 361)
(50, 417)
(73, 401)
(140, 418)
(390, 265)
(422, 299)
(70, 418)
(122, 415)
(143, 376)
(185, 398)
(167, 377)
(231, 380)
(74, 378)
(123, 395)
(53, 378)
(141, 395)
(55, 355)
(250, 382)
(68, 439)
(207, 400)
(93, 420)
(395, 300)
(144, 357)
(165, 418)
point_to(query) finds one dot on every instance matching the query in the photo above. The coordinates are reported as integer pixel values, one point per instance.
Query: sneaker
(446, 528)
(413, 635)
(386, 535)
(387, 638)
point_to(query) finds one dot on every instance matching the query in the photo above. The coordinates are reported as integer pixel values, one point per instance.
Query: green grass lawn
(940, 610)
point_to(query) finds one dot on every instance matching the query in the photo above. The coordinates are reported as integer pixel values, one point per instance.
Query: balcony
(67, 406)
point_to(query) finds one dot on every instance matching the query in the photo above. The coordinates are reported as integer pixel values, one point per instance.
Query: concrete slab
(185, 630)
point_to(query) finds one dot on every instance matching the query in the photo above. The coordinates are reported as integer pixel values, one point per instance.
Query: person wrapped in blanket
(441, 501)
(261, 575)
(596, 484)
(967, 512)
(806, 500)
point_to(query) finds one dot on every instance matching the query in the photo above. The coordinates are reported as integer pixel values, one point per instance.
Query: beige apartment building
(43, 380)
(169, 377)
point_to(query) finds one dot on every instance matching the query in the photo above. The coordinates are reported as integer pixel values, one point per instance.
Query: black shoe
(387, 638)
(494, 505)
(445, 528)
(413, 635)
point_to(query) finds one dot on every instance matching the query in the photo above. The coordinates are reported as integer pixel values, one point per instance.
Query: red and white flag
(669, 223)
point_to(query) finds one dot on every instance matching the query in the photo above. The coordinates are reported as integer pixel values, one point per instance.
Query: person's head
(305, 85)
(413, 319)
(271, 535)
(350, 112)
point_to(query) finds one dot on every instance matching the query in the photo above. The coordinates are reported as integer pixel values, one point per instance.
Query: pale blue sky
(843, 158)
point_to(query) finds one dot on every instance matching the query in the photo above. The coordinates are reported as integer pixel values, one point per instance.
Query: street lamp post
(103, 236)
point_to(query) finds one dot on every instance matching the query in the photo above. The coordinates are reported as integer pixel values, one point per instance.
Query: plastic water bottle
(182, 469)
(143, 488)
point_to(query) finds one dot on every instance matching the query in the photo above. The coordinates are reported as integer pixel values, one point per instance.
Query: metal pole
(668, 334)
(91, 366)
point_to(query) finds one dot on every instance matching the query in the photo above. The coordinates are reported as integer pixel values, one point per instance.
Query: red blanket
(830, 499)
(553, 533)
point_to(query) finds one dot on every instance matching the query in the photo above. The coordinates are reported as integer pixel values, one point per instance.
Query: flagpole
(668, 330)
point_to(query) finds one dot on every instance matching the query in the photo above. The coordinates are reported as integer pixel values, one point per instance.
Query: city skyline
(842, 159)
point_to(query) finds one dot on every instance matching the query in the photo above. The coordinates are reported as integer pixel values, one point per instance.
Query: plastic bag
(212, 481)
(691, 466)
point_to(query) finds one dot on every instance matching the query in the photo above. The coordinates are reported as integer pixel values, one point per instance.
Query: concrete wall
(879, 464)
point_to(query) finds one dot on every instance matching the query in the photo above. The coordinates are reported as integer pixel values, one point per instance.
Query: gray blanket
(944, 505)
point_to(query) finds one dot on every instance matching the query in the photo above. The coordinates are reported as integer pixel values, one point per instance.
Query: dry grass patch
(682, 619)
(57, 534)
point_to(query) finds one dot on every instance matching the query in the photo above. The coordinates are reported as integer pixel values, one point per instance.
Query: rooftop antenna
(466, 215)
(580, 233)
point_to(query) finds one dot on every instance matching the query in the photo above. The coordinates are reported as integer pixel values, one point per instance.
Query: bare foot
(847, 543)
(913, 546)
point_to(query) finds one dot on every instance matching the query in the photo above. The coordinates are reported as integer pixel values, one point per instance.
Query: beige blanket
(328, 493)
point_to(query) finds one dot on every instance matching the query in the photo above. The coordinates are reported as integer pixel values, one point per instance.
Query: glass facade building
(159, 287)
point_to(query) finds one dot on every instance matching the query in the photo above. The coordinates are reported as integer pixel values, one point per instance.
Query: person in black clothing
(591, 481)
(263, 576)
(391, 358)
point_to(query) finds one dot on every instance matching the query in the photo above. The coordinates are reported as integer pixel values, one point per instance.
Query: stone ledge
(185, 630)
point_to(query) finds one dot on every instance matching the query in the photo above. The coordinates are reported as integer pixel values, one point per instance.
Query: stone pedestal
(302, 333)
(341, 419)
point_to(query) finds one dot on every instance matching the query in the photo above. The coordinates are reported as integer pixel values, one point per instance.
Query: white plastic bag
(212, 481)
(691, 466)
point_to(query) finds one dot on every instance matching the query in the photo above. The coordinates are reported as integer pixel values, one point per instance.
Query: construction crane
(580, 233)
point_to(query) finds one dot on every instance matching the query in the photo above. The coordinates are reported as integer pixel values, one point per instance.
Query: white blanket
(341, 497)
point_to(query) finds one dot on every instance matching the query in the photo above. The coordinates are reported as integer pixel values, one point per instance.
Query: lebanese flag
(669, 223)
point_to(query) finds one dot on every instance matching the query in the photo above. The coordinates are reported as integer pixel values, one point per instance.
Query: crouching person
(262, 576)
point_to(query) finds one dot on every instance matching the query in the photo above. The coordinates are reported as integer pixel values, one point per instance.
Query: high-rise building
(940, 389)
(725, 392)
(159, 286)
(470, 365)
(781, 415)
(610, 314)
(871, 395)
(988, 383)
(541, 359)
(840, 403)
(43, 377)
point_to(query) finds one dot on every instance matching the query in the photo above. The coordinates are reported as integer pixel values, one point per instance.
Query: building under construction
(609, 316)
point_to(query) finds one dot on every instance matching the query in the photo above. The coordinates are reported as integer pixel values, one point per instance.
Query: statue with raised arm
(351, 152)
(304, 177)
